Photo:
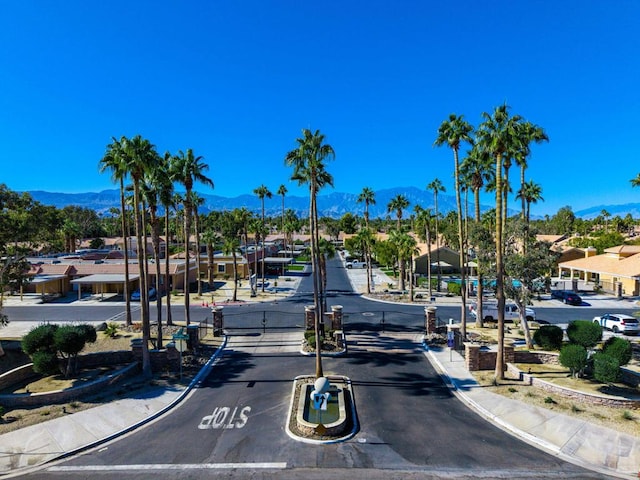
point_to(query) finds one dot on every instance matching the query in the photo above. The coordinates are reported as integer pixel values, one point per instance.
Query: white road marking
(188, 466)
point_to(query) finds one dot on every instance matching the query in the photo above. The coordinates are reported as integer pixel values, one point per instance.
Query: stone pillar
(472, 357)
(310, 317)
(218, 320)
(509, 355)
(430, 319)
(194, 337)
(337, 317)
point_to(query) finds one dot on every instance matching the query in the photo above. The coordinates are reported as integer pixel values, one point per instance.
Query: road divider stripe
(189, 466)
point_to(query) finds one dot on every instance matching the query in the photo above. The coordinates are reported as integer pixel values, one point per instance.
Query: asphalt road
(410, 425)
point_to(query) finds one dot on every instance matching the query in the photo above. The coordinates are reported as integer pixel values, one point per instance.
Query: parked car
(618, 323)
(511, 312)
(135, 296)
(356, 264)
(567, 297)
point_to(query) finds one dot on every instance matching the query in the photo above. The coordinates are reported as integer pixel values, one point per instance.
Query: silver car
(618, 323)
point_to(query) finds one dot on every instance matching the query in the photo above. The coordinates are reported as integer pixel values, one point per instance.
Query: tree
(436, 186)
(231, 246)
(496, 134)
(308, 163)
(166, 197)
(262, 191)
(282, 191)
(368, 197)
(186, 169)
(348, 223)
(140, 157)
(365, 241)
(453, 132)
(398, 204)
(423, 224)
(530, 193)
(574, 357)
(528, 133)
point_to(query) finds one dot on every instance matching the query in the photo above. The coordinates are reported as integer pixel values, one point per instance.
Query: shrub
(39, 338)
(311, 341)
(584, 333)
(111, 330)
(454, 288)
(45, 363)
(606, 368)
(618, 348)
(548, 337)
(574, 357)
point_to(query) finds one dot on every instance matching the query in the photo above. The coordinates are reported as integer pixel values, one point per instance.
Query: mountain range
(333, 204)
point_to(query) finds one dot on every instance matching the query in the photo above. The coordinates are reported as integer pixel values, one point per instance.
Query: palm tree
(528, 133)
(308, 162)
(453, 132)
(368, 197)
(496, 134)
(436, 187)
(406, 247)
(141, 157)
(423, 219)
(210, 238)
(605, 215)
(230, 247)
(478, 169)
(197, 201)
(187, 169)
(262, 191)
(166, 196)
(531, 192)
(153, 183)
(398, 204)
(282, 191)
(365, 239)
(327, 250)
(115, 160)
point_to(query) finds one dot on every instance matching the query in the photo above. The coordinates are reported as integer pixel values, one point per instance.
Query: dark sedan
(570, 298)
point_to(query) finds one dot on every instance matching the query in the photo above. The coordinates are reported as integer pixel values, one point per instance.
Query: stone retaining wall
(63, 396)
(17, 375)
(592, 398)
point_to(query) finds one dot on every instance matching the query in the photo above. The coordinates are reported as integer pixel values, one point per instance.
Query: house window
(222, 268)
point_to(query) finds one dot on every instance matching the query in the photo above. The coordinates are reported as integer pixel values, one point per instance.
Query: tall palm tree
(478, 169)
(141, 157)
(529, 133)
(187, 169)
(398, 204)
(152, 184)
(262, 191)
(405, 245)
(197, 201)
(365, 239)
(368, 197)
(498, 134)
(210, 238)
(166, 196)
(453, 132)
(282, 191)
(308, 163)
(327, 250)
(531, 192)
(423, 219)
(115, 161)
(230, 246)
(436, 187)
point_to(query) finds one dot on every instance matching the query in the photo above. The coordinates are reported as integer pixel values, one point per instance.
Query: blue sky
(236, 81)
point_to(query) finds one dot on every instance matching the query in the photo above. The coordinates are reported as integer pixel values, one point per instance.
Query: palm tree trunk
(146, 330)
(235, 277)
(155, 240)
(187, 230)
(125, 237)
(167, 265)
(499, 372)
(316, 284)
(462, 243)
(196, 217)
(480, 289)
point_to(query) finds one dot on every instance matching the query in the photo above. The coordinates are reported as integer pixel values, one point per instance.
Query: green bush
(606, 368)
(618, 348)
(574, 357)
(39, 338)
(111, 330)
(311, 341)
(45, 363)
(548, 337)
(454, 288)
(585, 333)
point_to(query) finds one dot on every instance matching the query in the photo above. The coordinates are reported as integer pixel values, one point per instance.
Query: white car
(511, 312)
(356, 264)
(618, 323)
